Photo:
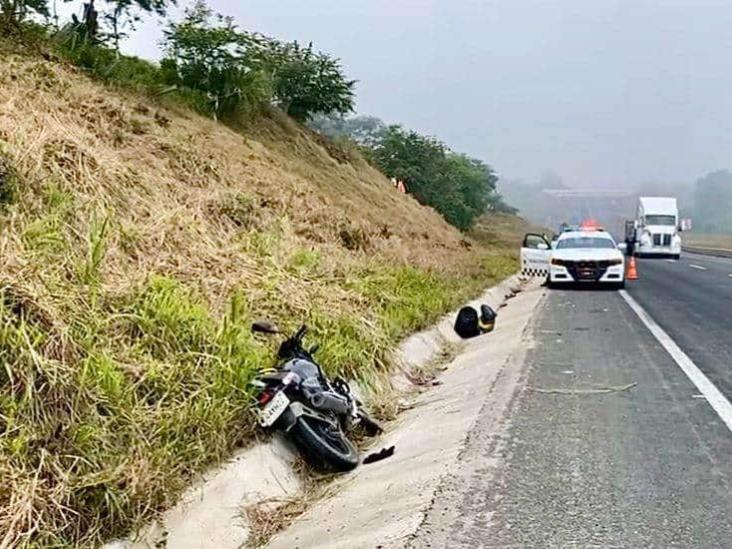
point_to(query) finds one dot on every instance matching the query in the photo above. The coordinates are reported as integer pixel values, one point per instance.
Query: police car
(584, 255)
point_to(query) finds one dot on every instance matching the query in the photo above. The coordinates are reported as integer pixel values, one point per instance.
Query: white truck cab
(657, 227)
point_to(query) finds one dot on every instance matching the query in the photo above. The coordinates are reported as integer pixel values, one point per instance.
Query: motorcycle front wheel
(323, 445)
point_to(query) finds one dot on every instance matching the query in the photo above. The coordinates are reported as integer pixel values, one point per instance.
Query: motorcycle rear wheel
(324, 446)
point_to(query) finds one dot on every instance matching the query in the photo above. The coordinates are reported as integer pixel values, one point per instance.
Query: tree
(13, 13)
(87, 29)
(127, 13)
(208, 54)
(120, 15)
(307, 82)
(712, 199)
(365, 131)
(412, 158)
(457, 186)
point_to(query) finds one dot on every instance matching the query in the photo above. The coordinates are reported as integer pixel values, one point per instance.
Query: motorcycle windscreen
(303, 368)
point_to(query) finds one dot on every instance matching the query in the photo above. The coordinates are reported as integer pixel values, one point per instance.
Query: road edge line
(714, 397)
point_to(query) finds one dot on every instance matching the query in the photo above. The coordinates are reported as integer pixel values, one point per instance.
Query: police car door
(535, 252)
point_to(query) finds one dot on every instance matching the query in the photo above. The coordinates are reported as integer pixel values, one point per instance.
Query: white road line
(697, 267)
(715, 398)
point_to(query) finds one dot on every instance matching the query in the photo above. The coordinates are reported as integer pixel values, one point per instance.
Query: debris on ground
(597, 391)
(419, 377)
(378, 456)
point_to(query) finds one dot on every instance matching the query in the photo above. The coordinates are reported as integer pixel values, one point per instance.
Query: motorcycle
(298, 398)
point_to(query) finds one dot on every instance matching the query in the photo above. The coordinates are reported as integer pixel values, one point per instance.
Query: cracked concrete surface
(383, 504)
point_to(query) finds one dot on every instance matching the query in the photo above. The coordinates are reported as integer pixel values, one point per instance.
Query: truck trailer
(656, 227)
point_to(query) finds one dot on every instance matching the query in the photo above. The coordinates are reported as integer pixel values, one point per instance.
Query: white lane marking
(697, 267)
(715, 398)
(670, 261)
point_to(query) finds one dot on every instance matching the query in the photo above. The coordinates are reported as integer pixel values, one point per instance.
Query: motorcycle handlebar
(292, 346)
(300, 333)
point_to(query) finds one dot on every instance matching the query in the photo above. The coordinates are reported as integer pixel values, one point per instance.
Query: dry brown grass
(142, 241)
(503, 230)
(269, 517)
(720, 241)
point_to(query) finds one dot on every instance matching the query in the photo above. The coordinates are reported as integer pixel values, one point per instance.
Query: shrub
(209, 54)
(8, 183)
(307, 82)
(239, 70)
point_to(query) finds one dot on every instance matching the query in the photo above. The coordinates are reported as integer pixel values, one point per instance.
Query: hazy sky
(602, 92)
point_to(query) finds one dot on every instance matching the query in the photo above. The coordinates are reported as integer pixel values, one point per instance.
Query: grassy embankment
(720, 241)
(137, 244)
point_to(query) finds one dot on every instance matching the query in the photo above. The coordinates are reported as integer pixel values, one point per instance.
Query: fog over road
(646, 464)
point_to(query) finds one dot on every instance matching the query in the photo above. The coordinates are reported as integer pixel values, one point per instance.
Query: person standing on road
(630, 238)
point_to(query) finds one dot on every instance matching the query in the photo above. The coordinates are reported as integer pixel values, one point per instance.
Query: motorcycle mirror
(264, 327)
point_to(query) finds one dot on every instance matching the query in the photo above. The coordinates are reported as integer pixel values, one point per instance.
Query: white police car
(586, 255)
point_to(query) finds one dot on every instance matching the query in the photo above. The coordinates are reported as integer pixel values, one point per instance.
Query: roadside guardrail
(702, 250)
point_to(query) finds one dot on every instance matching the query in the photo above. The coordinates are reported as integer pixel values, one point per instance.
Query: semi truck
(656, 229)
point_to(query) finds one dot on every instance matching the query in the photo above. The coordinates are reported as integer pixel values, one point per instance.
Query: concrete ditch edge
(384, 504)
(209, 514)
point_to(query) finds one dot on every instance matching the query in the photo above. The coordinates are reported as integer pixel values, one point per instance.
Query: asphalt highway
(691, 300)
(611, 439)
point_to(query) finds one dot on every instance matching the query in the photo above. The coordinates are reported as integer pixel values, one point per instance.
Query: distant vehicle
(657, 227)
(579, 256)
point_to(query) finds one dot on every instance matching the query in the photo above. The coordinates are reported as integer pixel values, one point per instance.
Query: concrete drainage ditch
(210, 513)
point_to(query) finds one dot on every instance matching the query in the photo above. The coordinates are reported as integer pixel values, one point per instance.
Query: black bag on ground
(466, 323)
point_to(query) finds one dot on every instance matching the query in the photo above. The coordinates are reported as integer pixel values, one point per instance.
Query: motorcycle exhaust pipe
(325, 401)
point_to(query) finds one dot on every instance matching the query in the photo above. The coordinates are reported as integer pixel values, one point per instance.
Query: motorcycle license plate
(274, 409)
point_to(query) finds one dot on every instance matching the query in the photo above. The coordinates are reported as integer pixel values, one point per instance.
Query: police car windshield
(585, 242)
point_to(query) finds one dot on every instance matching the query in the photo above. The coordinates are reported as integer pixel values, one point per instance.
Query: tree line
(222, 69)
(712, 211)
(459, 187)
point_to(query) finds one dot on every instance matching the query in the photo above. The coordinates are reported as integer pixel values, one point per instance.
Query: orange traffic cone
(632, 270)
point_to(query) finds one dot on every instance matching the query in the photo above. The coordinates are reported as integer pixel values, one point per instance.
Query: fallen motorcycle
(298, 398)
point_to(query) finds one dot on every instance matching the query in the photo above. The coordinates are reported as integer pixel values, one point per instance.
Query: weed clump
(241, 210)
(8, 184)
(353, 237)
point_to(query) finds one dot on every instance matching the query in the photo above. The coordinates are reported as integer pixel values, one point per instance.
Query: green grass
(159, 388)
